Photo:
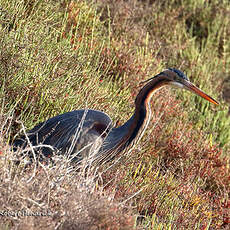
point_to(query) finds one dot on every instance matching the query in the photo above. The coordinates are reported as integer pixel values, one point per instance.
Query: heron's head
(177, 78)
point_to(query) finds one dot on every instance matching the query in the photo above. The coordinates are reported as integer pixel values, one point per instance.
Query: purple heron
(82, 133)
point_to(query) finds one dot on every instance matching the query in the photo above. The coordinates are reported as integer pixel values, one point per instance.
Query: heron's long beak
(188, 85)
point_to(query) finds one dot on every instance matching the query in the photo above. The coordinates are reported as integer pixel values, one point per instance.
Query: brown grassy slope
(178, 175)
(199, 169)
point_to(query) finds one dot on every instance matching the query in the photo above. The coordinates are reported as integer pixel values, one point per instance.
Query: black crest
(179, 73)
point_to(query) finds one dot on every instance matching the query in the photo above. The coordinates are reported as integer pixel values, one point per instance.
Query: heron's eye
(177, 78)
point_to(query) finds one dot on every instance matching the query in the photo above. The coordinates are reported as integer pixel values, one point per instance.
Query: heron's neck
(132, 131)
(142, 114)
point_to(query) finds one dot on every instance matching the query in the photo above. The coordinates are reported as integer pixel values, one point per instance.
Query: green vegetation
(57, 56)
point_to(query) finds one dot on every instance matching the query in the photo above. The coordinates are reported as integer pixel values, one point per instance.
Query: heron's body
(69, 132)
(85, 133)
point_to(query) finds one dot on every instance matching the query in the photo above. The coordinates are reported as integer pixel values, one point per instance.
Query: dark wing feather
(68, 132)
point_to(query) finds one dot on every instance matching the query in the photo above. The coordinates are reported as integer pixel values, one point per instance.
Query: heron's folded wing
(64, 132)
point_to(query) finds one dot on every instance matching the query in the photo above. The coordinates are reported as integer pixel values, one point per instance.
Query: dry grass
(55, 196)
